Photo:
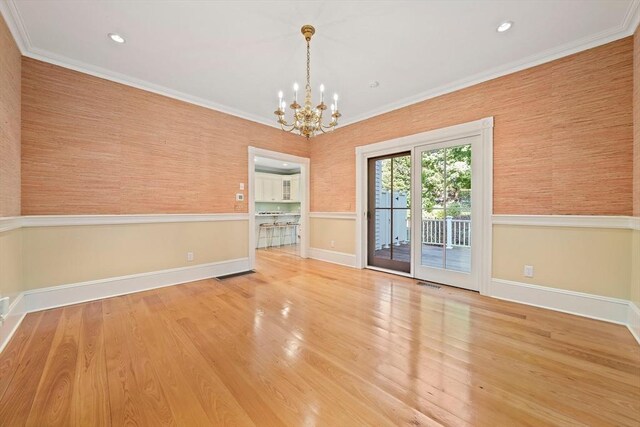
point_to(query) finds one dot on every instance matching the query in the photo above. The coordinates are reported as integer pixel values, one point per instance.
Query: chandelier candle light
(307, 120)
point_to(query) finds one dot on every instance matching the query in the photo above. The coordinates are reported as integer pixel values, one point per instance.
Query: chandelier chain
(308, 66)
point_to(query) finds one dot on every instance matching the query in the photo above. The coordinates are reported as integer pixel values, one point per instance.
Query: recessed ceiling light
(116, 38)
(374, 84)
(255, 159)
(504, 26)
(285, 164)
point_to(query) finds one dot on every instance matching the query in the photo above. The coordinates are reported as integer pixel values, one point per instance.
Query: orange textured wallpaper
(636, 122)
(563, 136)
(92, 146)
(9, 123)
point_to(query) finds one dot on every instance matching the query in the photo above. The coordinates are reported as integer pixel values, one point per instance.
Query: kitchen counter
(273, 236)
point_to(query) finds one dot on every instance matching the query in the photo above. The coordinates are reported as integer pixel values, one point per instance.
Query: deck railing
(455, 232)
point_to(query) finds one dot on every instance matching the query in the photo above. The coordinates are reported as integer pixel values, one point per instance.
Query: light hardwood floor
(308, 343)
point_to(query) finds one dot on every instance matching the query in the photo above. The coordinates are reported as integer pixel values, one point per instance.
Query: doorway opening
(278, 203)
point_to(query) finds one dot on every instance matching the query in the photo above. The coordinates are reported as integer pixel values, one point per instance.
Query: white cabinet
(259, 188)
(295, 188)
(286, 188)
(268, 187)
(277, 188)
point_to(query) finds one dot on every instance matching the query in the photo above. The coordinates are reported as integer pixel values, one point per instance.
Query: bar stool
(292, 232)
(268, 231)
(281, 227)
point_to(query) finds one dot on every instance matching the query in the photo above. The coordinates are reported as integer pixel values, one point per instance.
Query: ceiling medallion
(307, 120)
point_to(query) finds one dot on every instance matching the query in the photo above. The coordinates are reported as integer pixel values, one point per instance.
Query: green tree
(455, 194)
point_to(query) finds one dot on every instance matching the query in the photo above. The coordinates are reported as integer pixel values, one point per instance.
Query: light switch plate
(242, 185)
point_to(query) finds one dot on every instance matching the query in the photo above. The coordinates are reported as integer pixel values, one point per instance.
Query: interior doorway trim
(304, 202)
(482, 128)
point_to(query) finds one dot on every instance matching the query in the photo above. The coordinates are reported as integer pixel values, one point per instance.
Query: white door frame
(304, 200)
(482, 128)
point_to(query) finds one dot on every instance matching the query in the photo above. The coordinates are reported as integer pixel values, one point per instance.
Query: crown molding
(12, 17)
(10, 12)
(62, 61)
(625, 29)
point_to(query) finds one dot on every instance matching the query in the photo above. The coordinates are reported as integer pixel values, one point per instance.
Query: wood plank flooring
(305, 343)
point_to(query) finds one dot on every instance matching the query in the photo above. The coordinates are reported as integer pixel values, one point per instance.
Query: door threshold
(386, 270)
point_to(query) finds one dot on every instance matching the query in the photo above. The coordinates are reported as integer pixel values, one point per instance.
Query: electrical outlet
(528, 271)
(189, 256)
(333, 243)
(239, 197)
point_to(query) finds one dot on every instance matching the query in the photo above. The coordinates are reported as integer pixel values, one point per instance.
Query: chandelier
(307, 120)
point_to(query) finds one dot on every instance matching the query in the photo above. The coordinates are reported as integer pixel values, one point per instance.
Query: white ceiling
(272, 165)
(234, 56)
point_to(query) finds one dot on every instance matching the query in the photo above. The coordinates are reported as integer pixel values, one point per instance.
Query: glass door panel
(444, 253)
(389, 212)
(458, 208)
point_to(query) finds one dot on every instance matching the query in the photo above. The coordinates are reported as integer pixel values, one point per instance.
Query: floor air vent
(429, 285)
(229, 276)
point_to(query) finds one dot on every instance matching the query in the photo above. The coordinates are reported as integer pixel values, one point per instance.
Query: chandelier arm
(329, 126)
(284, 123)
(322, 126)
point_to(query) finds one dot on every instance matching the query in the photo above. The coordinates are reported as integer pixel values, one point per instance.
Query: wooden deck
(458, 258)
(302, 342)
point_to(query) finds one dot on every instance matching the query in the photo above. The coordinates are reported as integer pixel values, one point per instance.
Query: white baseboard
(581, 304)
(334, 257)
(12, 320)
(633, 321)
(59, 296)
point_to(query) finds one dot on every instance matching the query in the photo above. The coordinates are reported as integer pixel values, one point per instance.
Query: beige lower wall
(341, 231)
(11, 263)
(70, 254)
(635, 267)
(591, 260)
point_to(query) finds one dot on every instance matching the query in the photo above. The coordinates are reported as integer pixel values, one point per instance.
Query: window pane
(433, 209)
(382, 233)
(458, 208)
(383, 183)
(401, 237)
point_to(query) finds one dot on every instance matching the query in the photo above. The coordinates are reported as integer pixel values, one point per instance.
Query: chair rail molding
(10, 223)
(580, 221)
